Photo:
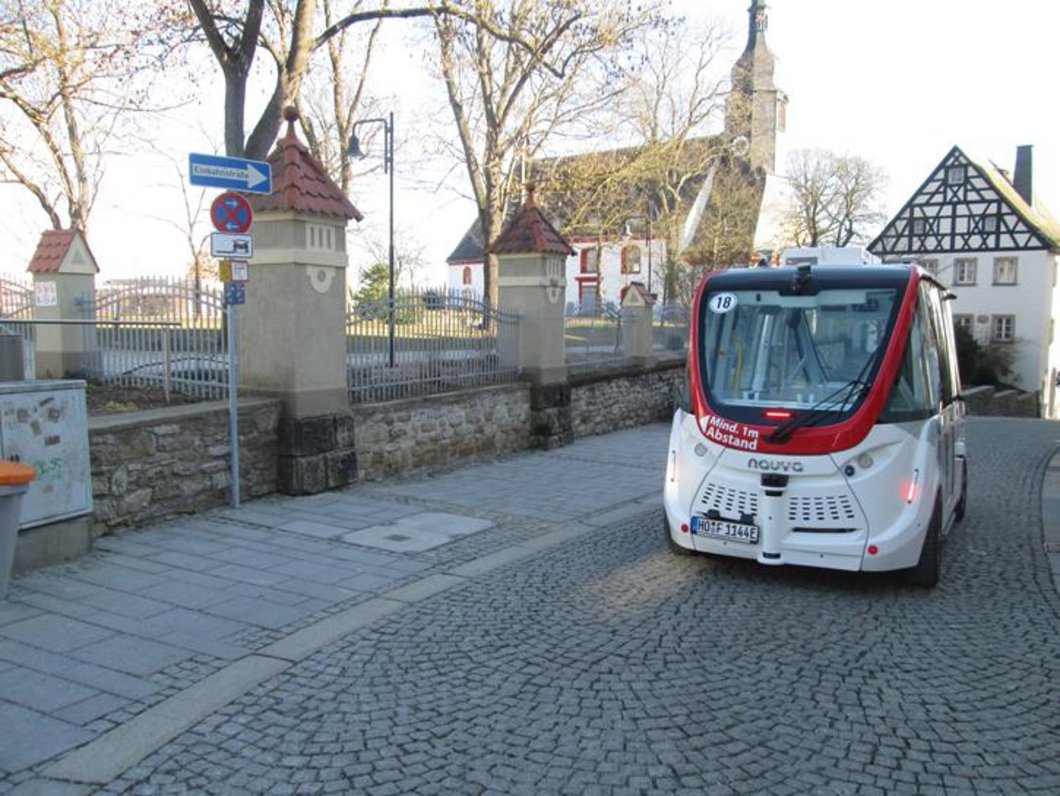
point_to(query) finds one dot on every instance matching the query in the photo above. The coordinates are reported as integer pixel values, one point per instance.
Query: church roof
(598, 194)
(529, 232)
(300, 183)
(471, 247)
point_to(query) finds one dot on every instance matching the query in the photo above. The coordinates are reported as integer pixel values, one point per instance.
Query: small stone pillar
(292, 329)
(531, 255)
(64, 281)
(637, 341)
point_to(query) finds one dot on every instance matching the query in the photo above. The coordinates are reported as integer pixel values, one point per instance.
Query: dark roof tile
(52, 248)
(300, 183)
(529, 232)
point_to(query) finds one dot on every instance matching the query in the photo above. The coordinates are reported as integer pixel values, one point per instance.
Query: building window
(964, 271)
(1004, 270)
(631, 260)
(930, 264)
(955, 175)
(1003, 328)
(467, 275)
(962, 321)
(919, 226)
(988, 224)
(590, 260)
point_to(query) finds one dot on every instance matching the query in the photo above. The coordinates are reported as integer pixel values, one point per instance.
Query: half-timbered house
(980, 229)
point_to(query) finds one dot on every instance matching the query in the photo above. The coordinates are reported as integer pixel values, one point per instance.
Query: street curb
(1051, 516)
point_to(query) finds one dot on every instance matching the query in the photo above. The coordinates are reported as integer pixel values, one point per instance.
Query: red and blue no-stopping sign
(231, 212)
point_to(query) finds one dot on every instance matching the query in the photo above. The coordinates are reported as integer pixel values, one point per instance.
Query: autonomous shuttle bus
(822, 424)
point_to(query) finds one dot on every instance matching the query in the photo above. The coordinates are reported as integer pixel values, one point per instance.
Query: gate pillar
(531, 256)
(292, 329)
(64, 281)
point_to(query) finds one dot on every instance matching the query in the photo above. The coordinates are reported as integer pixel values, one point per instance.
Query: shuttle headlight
(865, 461)
(700, 449)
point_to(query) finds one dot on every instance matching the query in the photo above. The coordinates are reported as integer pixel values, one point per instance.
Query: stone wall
(607, 400)
(399, 436)
(154, 465)
(990, 401)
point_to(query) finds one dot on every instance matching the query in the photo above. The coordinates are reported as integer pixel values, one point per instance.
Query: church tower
(756, 107)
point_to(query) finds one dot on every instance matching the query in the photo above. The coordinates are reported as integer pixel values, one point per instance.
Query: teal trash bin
(15, 479)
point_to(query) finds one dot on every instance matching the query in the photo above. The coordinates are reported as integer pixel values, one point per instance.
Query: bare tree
(509, 91)
(834, 198)
(290, 33)
(330, 104)
(670, 93)
(71, 71)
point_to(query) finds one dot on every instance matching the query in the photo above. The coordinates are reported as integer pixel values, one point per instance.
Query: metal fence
(16, 306)
(593, 337)
(16, 297)
(165, 332)
(438, 340)
(670, 327)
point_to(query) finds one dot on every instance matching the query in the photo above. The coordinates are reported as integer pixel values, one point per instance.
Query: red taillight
(873, 550)
(684, 527)
(778, 414)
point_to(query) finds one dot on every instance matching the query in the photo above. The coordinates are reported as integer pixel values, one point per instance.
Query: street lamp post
(354, 151)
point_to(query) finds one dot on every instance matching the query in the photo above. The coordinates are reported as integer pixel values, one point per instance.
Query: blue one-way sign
(233, 174)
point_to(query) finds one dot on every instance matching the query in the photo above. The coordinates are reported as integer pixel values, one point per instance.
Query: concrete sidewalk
(105, 659)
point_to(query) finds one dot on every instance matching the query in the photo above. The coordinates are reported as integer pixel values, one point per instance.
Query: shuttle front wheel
(962, 503)
(929, 567)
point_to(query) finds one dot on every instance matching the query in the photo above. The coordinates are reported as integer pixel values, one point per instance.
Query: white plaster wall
(456, 278)
(1050, 389)
(1029, 300)
(612, 280)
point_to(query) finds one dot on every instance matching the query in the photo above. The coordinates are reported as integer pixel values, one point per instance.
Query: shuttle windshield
(778, 348)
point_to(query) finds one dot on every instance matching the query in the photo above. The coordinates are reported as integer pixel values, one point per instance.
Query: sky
(898, 82)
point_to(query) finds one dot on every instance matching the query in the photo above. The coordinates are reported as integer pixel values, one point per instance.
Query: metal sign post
(232, 217)
(233, 404)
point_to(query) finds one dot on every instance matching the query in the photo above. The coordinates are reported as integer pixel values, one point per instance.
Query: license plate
(723, 529)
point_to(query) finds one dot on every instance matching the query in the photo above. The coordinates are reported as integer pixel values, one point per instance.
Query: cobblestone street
(607, 665)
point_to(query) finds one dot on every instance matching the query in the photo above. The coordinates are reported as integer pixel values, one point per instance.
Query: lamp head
(354, 149)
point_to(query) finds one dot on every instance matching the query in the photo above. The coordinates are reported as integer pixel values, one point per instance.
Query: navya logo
(776, 467)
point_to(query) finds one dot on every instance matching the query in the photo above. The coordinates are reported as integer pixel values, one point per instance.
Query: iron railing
(159, 332)
(441, 340)
(592, 337)
(670, 327)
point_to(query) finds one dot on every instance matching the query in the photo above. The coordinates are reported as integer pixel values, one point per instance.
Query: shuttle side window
(945, 342)
(915, 392)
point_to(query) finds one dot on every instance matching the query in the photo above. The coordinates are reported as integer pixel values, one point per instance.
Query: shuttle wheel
(675, 548)
(962, 504)
(929, 567)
